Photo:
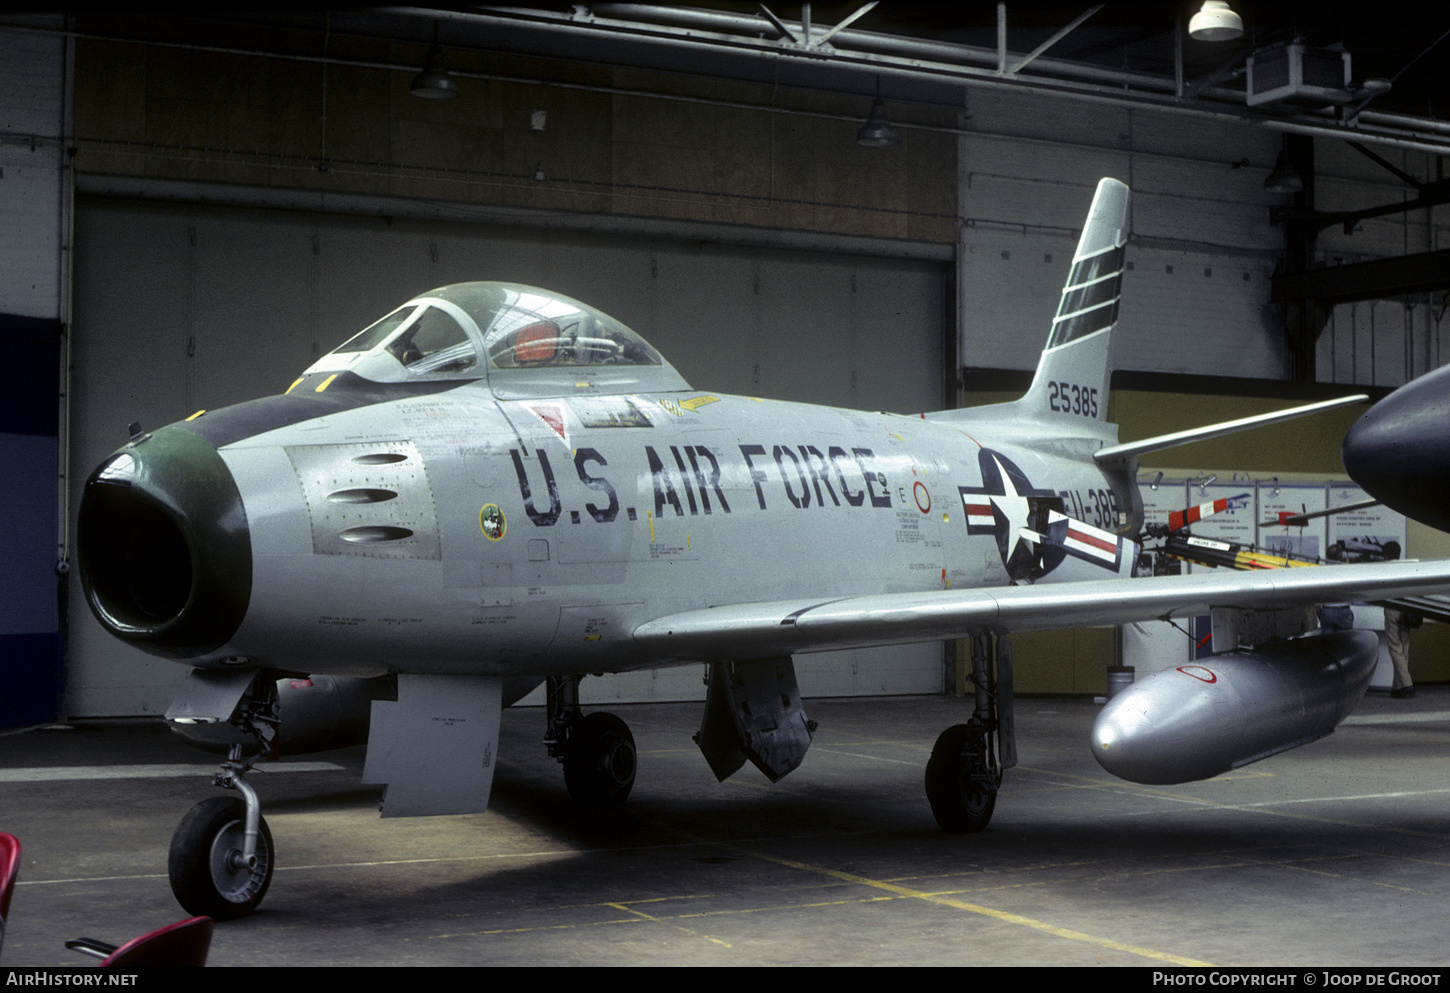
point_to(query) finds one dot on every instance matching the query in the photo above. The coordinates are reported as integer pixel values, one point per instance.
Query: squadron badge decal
(491, 522)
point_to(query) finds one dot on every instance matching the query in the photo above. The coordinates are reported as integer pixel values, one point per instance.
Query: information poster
(1308, 541)
(1236, 524)
(1167, 497)
(1161, 500)
(1362, 535)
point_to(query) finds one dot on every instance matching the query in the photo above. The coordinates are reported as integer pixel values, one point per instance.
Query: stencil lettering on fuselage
(700, 480)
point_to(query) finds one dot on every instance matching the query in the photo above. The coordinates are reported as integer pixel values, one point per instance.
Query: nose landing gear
(220, 863)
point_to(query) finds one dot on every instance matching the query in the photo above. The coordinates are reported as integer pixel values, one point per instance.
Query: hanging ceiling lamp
(1215, 21)
(434, 83)
(877, 132)
(1284, 179)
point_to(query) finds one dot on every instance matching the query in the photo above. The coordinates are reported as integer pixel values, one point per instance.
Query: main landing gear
(966, 765)
(597, 749)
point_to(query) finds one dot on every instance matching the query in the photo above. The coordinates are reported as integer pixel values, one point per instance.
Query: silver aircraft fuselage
(454, 532)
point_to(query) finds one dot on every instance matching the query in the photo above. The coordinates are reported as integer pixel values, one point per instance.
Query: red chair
(9, 869)
(184, 943)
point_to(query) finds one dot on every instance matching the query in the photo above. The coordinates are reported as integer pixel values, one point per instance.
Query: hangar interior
(857, 205)
(205, 205)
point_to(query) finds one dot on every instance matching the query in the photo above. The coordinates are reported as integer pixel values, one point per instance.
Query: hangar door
(183, 307)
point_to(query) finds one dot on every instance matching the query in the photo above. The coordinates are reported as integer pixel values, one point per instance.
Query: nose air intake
(163, 546)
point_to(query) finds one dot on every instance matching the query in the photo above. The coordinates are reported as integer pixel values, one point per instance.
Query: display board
(1365, 532)
(1354, 535)
(1307, 540)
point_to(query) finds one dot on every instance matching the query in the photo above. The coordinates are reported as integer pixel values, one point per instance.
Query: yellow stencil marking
(294, 385)
(651, 518)
(326, 383)
(196, 415)
(695, 403)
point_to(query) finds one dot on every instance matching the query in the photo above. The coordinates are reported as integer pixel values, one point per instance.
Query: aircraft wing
(784, 627)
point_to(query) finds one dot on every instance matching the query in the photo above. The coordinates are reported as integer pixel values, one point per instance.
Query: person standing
(1397, 634)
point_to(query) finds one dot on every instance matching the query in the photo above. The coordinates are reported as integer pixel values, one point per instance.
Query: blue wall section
(31, 647)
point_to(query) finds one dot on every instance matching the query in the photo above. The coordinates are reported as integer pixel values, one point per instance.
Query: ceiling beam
(1379, 279)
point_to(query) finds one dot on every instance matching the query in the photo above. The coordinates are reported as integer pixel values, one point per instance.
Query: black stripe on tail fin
(1071, 385)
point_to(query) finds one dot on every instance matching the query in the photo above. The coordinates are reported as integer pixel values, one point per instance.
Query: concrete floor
(1331, 854)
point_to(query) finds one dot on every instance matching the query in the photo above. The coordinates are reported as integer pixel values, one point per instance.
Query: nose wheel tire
(961, 799)
(599, 761)
(207, 873)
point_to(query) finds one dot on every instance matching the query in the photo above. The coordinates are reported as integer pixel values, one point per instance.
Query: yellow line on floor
(974, 908)
(658, 920)
(639, 918)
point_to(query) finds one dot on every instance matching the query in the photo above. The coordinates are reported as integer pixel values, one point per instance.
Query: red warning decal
(1199, 672)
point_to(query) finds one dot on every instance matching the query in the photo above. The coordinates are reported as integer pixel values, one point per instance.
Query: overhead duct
(1299, 75)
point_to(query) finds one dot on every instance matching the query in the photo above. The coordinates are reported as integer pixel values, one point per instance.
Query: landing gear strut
(966, 766)
(221, 854)
(221, 862)
(597, 750)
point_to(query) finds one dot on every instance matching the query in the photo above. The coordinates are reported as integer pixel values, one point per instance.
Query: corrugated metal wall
(33, 185)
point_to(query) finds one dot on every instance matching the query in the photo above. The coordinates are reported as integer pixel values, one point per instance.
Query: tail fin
(1071, 385)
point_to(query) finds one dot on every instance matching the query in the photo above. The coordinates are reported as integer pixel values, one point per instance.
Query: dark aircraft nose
(163, 548)
(1400, 450)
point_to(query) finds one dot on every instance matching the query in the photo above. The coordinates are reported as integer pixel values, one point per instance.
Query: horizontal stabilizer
(1114, 453)
(1083, 541)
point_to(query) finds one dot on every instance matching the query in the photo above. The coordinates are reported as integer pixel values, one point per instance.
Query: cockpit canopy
(525, 341)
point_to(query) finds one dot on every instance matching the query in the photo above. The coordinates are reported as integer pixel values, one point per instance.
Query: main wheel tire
(959, 804)
(204, 874)
(599, 763)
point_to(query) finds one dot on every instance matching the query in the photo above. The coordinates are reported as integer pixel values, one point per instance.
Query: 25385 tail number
(1070, 398)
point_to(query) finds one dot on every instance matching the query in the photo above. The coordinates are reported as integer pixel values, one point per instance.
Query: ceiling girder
(895, 56)
(1378, 279)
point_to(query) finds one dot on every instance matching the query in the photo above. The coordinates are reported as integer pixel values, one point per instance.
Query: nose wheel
(210, 874)
(220, 863)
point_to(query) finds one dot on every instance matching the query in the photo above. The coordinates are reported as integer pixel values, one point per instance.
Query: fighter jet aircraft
(1399, 451)
(495, 485)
